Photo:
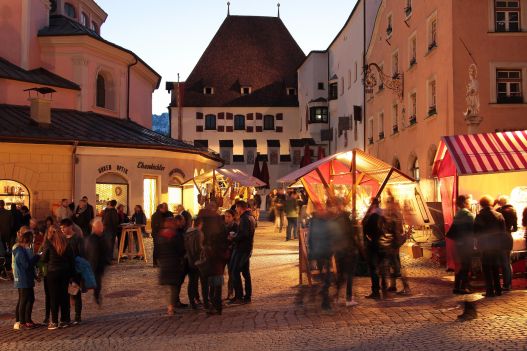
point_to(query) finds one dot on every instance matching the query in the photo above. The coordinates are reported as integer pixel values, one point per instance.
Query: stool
(135, 240)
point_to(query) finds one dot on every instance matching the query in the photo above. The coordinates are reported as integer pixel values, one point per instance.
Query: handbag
(73, 289)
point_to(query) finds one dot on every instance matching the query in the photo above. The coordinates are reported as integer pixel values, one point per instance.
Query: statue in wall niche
(472, 95)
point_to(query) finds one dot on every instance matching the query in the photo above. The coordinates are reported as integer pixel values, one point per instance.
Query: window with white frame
(389, 25)
(507, 15)
(413, 108)
(381, 125)
(395, 118)
(415, 170)
(370, 133)
(509, 86)
(208, 91)
(412, 51)
(395, 63)
(432, 109)
(381, 85)
(408, 8)
(85, 21)
(245, 90)
(432, 32)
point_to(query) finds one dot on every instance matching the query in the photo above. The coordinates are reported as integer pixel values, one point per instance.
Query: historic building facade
(240, 100)
(420, 56)
(75, 113)
(331, 93)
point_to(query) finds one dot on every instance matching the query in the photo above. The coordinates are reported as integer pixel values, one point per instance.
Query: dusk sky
(171, 35)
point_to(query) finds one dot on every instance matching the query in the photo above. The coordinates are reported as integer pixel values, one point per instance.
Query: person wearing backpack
(24, 263)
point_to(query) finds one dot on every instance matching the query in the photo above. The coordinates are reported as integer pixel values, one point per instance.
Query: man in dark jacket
(157, 222)
(511, 225)
(96, 254)
(243, 247)
(89, 208)
(83, 217)
(6, 224)
(76, 242)
(110, 219)
(373, 229)
(489, 230)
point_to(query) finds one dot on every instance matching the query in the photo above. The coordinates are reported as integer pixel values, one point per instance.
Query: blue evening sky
(171, 35)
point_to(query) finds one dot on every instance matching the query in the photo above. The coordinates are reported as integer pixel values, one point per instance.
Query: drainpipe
(73, 168)
(128, 89)
(364, 65)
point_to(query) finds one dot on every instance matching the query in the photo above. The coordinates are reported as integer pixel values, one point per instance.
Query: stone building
(240, 100)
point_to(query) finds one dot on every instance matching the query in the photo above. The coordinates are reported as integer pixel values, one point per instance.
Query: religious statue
(472, 95)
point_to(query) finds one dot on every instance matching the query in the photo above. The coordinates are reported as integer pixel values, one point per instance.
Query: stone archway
(29, 178)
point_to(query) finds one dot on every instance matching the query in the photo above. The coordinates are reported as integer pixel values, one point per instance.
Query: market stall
(225, 186)
(480, 164)
(357, 177)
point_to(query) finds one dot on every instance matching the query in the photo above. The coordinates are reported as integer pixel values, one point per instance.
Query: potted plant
(432, 110)
(413, 120)
(432, 45)
(370, 140)
(381, 135)
(413, 61)
(395, 129)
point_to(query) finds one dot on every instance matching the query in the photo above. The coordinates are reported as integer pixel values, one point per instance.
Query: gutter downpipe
(364, 65)
(128, 88)
(73, 168)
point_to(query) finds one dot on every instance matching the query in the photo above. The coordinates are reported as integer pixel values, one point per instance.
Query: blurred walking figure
(291, 213)
(393, 228)
(462, 232)
(347, 248)
(96, 254)
(83, 217)
(489, 229)
(231, 230)
(76, 243)
(320, 244)
(511, 225)
(61, 267)
(110, 219)
(171, 261)
(63, 211)
(194, 242)
(279, 209)
(373, 230)
(241, 256)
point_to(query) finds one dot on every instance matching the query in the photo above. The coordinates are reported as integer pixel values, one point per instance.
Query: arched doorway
(13, 192)
(111, 186)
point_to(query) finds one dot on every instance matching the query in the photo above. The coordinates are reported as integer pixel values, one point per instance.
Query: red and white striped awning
(481, 153)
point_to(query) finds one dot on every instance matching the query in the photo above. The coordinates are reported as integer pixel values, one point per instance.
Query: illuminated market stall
(225, 186)
(480, 164)
(357, 177)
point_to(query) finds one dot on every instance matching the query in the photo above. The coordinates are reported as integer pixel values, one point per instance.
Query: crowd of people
(286, 207)
(490, 234)
(199, 250)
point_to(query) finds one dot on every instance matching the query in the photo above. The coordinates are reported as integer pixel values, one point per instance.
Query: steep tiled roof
(87, 128)
(11, 71)
(246, 51)
(63, 26)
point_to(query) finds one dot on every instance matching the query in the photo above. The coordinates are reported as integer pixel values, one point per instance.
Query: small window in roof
(291, 91)
(245, 90)
(94, 27)
(69, 10)
(208, 90)
(84, 19)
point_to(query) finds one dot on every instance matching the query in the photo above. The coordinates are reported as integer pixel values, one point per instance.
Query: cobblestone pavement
(281, 317)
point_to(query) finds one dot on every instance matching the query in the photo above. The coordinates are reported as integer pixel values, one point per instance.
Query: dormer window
(245, 90)
(291, 91)
(208, 91)
(94, 27)
(69, 10)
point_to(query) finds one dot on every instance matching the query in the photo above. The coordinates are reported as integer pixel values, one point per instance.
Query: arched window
(431, 157)
(239, 122)
(416, 174)
(85, 19)
(94, 27)
(210, 122)
(396, 163)
(101, 91)
(13, 192)
(69, 10)
(268, 122)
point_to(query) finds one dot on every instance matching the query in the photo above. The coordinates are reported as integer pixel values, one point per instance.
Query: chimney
(41, 105)
(40, 111)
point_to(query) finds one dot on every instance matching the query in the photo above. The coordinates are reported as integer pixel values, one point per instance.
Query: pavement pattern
(282, 315)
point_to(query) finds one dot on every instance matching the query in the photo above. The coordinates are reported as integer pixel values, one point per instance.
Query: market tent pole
(331, 195)
(383, 185)
(354, 185)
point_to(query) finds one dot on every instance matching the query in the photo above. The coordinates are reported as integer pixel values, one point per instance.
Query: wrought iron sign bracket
(371, 78)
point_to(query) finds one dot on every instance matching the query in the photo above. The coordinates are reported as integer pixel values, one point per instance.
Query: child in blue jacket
(24, 262)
